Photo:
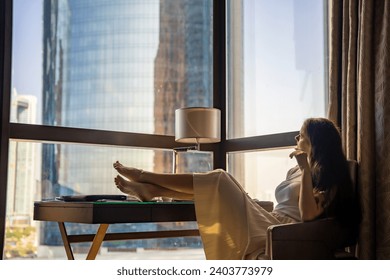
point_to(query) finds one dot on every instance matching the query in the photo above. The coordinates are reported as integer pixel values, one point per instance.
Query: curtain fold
(359, 80)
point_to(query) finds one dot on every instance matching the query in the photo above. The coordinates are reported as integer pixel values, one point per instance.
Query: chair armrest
(319, 239)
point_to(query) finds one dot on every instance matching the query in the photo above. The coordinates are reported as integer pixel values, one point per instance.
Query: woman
(231, 224)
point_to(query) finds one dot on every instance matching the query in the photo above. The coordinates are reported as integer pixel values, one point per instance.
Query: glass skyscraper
(122, 65)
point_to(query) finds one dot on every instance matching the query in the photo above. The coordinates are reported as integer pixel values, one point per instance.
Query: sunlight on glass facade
(100, 58)
(122, 65)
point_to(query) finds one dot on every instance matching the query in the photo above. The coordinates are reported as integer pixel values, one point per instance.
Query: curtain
(359, 101)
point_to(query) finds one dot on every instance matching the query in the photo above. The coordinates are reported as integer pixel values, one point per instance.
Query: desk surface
(114, 212)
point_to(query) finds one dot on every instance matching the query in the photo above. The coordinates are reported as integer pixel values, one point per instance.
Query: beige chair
(319, 239)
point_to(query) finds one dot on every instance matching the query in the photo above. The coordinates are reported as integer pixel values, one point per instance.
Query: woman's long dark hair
(330, 171)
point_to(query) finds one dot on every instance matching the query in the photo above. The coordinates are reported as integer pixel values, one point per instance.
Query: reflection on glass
(276, 65)
(31, 180)
(261, 172)
(193, 161)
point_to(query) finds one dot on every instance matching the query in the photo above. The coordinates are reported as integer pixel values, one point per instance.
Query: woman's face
(303, 142)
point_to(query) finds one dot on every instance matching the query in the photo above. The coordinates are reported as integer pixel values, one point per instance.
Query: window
(95, 67)
(276, 76)
(276, 65)
(67, 177)
(96, 81)
(260, 171)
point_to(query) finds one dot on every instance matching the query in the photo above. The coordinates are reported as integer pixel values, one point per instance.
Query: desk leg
(97, 241)
(65, 240)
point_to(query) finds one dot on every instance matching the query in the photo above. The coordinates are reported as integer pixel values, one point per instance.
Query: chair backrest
(346, 237)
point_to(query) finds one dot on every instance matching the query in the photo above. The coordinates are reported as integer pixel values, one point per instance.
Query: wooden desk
(106, 213)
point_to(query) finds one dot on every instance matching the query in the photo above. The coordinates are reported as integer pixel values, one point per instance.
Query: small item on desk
(91, 197)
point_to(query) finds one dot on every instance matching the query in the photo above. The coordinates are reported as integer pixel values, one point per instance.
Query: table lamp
(196, 125)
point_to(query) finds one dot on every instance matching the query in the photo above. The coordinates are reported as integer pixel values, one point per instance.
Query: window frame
(51, 134)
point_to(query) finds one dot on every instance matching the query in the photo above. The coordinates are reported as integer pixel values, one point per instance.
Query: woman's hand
(308, 204)
(301, 158)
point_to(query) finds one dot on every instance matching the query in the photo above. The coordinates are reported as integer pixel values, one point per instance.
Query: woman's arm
(310, 206)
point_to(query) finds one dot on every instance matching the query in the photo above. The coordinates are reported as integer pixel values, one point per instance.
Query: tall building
(22, 180)
(113, 65)
(183, 68)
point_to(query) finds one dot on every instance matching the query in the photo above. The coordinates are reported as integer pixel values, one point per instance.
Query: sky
(27, 46)
(283, 64)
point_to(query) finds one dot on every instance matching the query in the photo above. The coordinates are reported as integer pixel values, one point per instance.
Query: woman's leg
(146, 191)
(182, 183)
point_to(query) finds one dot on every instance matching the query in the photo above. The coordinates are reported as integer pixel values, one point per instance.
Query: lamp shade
(198, 125)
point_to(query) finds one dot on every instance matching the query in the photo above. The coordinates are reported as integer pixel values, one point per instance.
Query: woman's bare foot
(130, 173)
(139, 190)
(147, 191)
